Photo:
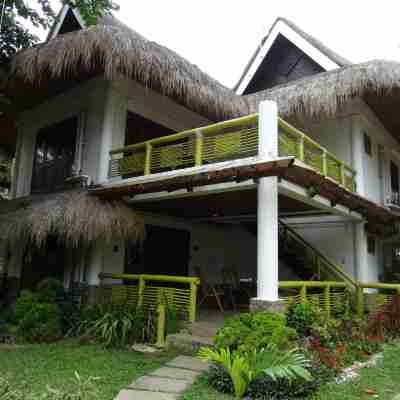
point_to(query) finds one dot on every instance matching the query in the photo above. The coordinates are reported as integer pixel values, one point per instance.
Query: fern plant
(245, 368)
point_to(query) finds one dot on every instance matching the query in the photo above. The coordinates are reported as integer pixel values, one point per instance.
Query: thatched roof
(75, 217)
(112, 49)
(377, 82)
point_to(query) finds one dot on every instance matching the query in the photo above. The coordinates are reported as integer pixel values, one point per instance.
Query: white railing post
(267, 217)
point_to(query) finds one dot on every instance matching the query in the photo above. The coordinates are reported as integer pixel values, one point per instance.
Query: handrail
(155, 278)
(208, 129)
(334, 268)
(186, 298)
(291, 129)
(328, 299)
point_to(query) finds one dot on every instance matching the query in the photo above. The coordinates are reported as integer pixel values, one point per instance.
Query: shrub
(118, 325)
(302, 317)
(250, 331)
(41, 324)
(218, 378)
(270, 362)
(49, 290)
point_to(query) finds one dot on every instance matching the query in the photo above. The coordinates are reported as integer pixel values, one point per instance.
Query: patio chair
(208, 290)
(231, 284)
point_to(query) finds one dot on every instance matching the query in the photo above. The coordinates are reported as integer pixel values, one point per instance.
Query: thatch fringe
(75, 217)
(114, 49)
(327, 92)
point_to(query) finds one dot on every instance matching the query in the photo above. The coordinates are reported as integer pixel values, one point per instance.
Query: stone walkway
(165, 383)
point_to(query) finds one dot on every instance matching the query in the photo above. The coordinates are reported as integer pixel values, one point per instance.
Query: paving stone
(186, 362)
(127, 394)
(156, 384)
(176, 373)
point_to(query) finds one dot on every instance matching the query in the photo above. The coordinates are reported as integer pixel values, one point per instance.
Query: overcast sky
(220, 35)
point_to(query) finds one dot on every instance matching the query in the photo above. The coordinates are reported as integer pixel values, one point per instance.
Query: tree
(14, 14)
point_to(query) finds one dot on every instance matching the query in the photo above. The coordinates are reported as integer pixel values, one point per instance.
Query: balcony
(224, 141)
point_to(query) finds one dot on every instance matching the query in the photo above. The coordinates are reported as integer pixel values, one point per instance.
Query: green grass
(384, 379)
(34, 367)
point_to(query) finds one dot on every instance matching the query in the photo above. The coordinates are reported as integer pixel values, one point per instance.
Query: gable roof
(114, 50)
(318, 51)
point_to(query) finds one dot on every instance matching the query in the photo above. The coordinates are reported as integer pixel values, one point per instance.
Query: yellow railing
(329, 296)
(378, 295)
(293, 142)
(151, 290)
(227, 140)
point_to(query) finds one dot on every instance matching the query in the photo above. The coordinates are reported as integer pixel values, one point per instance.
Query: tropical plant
(250, 331)
(302, 317)
(271, 362)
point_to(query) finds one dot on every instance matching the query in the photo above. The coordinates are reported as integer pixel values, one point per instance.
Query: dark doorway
(164, 252)
(47, 262)
(54, 156)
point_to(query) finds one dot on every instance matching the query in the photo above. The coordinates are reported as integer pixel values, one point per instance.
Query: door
(164, 252)
(54, 156)
(47, 262)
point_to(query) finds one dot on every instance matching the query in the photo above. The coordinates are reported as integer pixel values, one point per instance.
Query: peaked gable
(287, 53)
(68, 20)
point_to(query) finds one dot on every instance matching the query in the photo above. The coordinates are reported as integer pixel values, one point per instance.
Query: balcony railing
(224, 141)
(293, 142)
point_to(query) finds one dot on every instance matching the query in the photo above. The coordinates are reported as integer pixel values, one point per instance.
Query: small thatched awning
(74, 217)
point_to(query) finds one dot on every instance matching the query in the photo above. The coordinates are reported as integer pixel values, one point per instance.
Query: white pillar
(113, 132)
(357, 135)
(267, 216)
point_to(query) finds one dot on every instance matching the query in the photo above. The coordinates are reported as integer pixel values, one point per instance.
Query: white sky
(221, 35)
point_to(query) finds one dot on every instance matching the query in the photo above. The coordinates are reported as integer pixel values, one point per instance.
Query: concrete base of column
(257, 305)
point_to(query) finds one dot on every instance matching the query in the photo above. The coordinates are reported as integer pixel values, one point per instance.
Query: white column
(113, 132)
(267, 216)
(357, 135)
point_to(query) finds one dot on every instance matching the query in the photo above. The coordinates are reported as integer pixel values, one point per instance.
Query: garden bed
(380, 382)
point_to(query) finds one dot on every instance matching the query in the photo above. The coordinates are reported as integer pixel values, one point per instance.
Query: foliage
(302, 317)
(271, 362)
(37, 322)
(41, 324)
(387, 320)
(219, 378)
(250, 331)
(15, 35)
(118, 325)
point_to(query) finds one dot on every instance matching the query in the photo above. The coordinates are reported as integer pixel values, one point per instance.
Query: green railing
(151, 290)
(378, 296)
(321, 267)
(223, 141)
(331, 297)
(293, 142)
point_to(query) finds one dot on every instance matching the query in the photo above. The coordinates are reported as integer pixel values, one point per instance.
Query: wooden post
(318, 263)
(198, 158)
(142, 284)
(303, 294)
(147, 162)
(360, 301)
(301, 148)
(324, 163)
(192, 302)
(161, 311)
(327, 298)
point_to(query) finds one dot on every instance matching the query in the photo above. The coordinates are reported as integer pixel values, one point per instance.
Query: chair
(231, 283)
(208, 290)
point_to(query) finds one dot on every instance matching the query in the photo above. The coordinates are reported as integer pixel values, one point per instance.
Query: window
(367, 144)
(54, 156)
(371, 245)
